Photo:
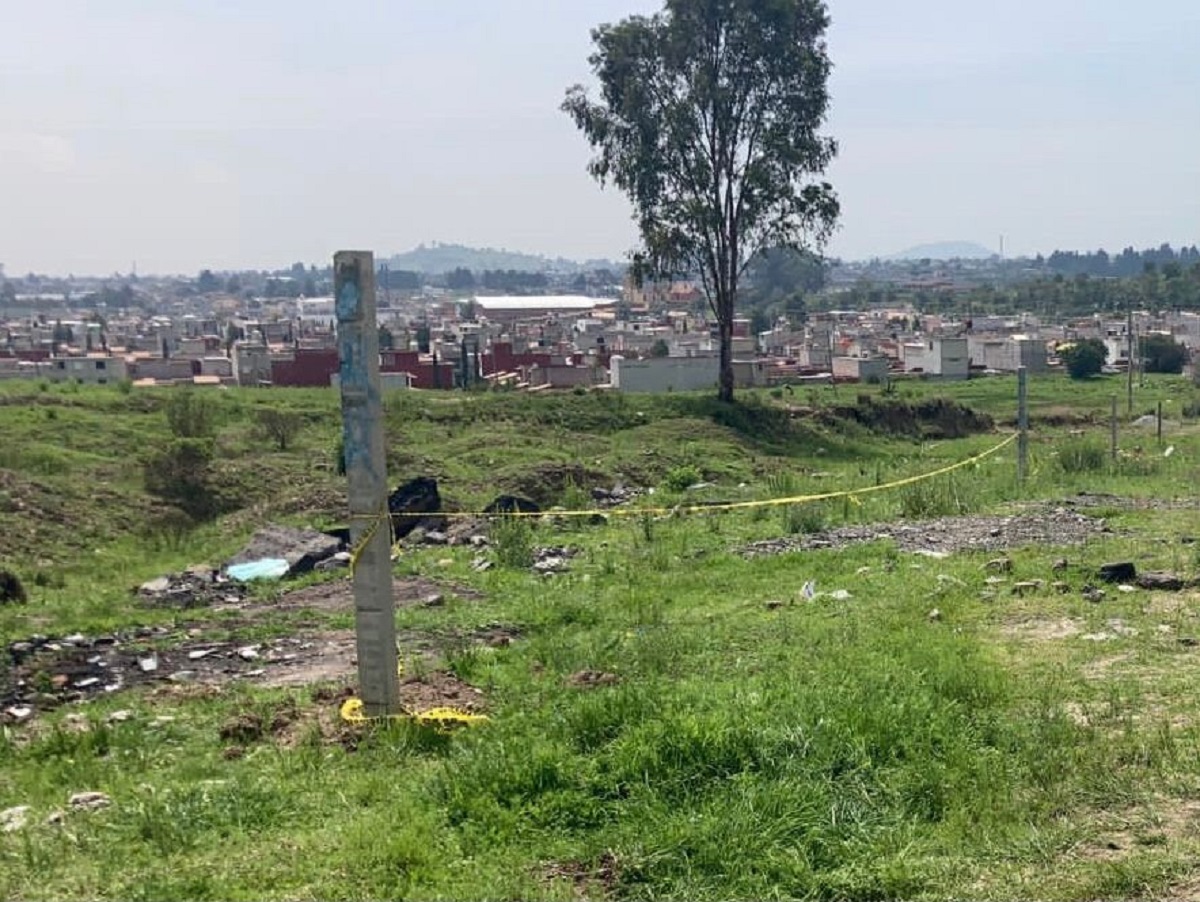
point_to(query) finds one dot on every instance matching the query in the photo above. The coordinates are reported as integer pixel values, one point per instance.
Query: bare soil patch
(1042, 629)
(43, 673)
(338, 596)
(947, 535)
(593, 880)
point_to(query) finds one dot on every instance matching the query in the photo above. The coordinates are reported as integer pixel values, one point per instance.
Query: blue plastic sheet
(266, 568)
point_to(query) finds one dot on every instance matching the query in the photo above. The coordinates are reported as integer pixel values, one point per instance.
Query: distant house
(90, 370)
(947, 358)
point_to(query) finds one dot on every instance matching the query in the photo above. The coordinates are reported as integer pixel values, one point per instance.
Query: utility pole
(366, 470)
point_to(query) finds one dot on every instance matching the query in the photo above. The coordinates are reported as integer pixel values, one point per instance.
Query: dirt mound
(439, 689)
(936, 418)
(546, 484)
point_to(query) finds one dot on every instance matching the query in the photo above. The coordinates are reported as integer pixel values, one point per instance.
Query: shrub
(190, 415)
(683, 477)
(179, 474)
(514, 542)
(279, 426)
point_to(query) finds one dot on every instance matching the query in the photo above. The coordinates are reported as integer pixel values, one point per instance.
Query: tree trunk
(725, 325)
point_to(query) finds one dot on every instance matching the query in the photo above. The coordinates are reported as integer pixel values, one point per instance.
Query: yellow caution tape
(633, 511)
(441, 719)
(446, 718)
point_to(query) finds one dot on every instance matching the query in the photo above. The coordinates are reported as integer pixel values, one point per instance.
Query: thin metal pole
(1022, 424)
(366, 469)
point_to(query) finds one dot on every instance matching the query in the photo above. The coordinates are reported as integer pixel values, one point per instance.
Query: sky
(176, 135)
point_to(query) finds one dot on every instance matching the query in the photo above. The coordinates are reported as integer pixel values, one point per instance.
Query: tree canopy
(708, 120)
(1084, 359)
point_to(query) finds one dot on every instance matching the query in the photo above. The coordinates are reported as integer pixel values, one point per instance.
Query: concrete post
(362, 432)
(1022, 425)
(1113, 427)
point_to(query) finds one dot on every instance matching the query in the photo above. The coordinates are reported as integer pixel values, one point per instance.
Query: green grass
(751, 744)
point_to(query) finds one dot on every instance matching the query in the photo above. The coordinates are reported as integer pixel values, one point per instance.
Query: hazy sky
(236, 133)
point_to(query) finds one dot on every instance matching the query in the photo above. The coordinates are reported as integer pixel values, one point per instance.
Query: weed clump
(514, 542)
(1081, 455)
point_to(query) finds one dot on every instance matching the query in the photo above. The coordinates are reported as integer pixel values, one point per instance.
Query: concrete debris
(18, 713)
(14, 819)
(553, 559)
(89, 801)
(194, 588)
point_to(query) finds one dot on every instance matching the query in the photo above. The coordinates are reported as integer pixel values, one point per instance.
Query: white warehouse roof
(537, 302)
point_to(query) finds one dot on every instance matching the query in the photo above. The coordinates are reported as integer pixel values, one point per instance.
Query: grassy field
(669, 717)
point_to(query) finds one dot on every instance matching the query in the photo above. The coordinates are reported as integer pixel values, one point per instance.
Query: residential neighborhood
(632, 338)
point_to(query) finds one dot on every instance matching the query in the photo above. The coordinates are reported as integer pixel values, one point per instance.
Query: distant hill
(946, 250)
(439, 258)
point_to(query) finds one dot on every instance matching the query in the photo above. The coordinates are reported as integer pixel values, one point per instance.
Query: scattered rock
(436, 600)
(999, 565)
(554, 559)
(14, 819)
(1117, 572)
(155, 586)
(56, 817)
(120, 716)
(1060, 587)
(946, 535)
(248, 652)
(1060, 565)
(89, 801)
(1092, 594)
(934, 616)
(1126, 588)
(339, 561)
(773, 605)
(1027, 587)
(193, 588)
(18, 713)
